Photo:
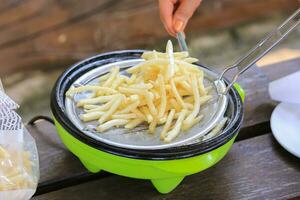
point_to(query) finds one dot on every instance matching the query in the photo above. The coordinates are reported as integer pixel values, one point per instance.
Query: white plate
(285, 125)
(283, 89)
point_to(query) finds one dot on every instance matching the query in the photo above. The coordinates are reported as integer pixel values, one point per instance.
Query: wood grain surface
(279, 70)
(38, 34)
(256, 168)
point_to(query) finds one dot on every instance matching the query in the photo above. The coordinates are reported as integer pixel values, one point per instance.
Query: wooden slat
(56, 162)
(258, 106)
(256, 168)
(8, 4)
(226, 13)
(42, 33)
(279, 56)
(18, 13)
(45, 15)
(279, 70)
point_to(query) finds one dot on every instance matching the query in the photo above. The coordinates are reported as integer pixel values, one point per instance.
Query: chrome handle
(263, 47)
(181, 41)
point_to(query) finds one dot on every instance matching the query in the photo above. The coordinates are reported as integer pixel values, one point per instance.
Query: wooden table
(43, 34)
(256, 167)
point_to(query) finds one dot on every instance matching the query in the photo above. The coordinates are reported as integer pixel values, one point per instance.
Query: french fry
(181, 55)
(109, 124)
(103, 77)
(179, 79)
(139, 79)
(119, 80)
(186, 86)
(134, 98)
(171, 67)
(189, 99)
(197, 120)
(205, 99)
(164, 62)
(150, 95)
(146, 86)
(139, 114)
(167, 124)
(112, 109)
(130, 107)
(189, 106)
(91, 116)
(93, 95)
(208, 89)
(147, 114)
(131, 91)
(175, 105)
(183, 92)
(125, 78)
(189, 67)
(186, 114)
(183, 71)
(175, 131)
(152, 126)
(216, 129)
(124, 116)
(150, 104)
(202, 90)
(113, 73)
(163, 119)
(134, 69)
(190, 60)
(176, 94)
(79, 89)
(90, 106)
(187, 123)
(134, 123)
(163, 95)
(131, 79)
(96, 100)
(100, 108)
(155, 55)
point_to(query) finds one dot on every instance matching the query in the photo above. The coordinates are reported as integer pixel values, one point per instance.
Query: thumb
(183, 13)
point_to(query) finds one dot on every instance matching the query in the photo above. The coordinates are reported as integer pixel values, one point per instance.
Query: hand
(175, 14)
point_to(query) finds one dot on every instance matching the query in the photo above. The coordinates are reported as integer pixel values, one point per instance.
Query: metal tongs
(262, 48)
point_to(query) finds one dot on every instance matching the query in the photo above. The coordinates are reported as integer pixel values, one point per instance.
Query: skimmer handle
(181, 41)
(263, 47)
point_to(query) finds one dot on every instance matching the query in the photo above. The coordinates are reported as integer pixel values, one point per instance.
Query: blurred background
(39, 39)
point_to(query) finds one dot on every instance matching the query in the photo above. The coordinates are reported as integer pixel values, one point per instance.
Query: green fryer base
(165, 175)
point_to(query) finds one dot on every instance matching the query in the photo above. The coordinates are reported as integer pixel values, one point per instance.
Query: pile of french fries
(15, 170)
(165, 89)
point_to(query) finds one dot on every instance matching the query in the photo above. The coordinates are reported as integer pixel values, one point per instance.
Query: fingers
(183, 13)
(176, 21)
(166, 8)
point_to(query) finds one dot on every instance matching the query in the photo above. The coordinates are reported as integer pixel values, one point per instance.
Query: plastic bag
(19, 169)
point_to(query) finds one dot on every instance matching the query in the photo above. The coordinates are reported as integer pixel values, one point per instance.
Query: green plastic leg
(166, 185)
(92, 168)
